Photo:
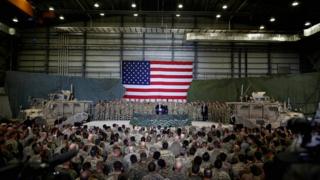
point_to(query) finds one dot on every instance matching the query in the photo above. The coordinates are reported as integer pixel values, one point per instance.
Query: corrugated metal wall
(99, 55)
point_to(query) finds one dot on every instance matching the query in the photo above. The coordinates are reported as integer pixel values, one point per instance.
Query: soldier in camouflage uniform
(112, 112)
(97, 111)
(131, 109)
(189, 110)
(103, 110)
(117, 110)
(194, 111)
(181, 109)
(199, 110)
(210, 111)
(107, 112)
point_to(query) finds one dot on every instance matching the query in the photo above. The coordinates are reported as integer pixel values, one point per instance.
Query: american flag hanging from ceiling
(156, 80)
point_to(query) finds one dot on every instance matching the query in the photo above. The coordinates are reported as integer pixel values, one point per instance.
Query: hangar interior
(225, 39)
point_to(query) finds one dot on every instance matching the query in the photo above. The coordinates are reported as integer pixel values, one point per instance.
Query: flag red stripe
(172, 69)
(170, 83)
(156, 90)
(172, 76)
(155, 97)
(172, 62)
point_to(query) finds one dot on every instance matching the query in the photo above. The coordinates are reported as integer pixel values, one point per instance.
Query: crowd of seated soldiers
(120, 152)
(124, 110)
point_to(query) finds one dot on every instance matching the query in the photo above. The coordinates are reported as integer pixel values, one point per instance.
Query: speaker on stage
(161, 109)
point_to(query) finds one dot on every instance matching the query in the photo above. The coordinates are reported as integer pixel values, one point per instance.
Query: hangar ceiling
(289, 15)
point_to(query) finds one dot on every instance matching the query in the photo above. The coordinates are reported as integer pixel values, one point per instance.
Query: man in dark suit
(204, 112)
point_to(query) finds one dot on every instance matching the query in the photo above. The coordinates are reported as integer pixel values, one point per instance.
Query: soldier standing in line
(169, 107)
(226, 113)
(148, 110)
(199, 111)
(210, 111)
(152, 108)
(103, 110)
(117, 110)
(194, 111)
(137, 107)
(178, 108)
(189, 109)
(131, 109)
(120, 106)
(96, 110)
(107, 112)
(215, 112)
(112, 110)
(173, 108)
(220, 112)
(128, 110)
(146, 107)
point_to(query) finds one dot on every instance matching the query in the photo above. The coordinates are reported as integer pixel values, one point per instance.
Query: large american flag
(156, 80)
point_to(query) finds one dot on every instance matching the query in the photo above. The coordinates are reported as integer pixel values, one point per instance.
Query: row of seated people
(197, 111)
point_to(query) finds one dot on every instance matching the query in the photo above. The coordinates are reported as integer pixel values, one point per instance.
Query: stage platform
(199, 124)
(163, 120)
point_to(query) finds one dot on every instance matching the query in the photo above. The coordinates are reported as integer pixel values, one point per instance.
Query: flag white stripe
(156, 93)
(169, 73)
(156, 86)
(171, 66)
(169, 80)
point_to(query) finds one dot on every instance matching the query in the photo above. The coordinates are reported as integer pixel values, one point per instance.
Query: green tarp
(303, 90)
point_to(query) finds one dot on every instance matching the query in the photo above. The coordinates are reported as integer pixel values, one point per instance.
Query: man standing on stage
(204, 111)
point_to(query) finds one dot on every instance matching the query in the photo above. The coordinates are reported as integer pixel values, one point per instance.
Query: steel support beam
(232, 59)
(195, 45)
(144, 39)
(239, 64)
(238, 36)
(246, 63)
(153, 13)
(172, 39)
(121, 46)
(46, 64)
(269, 60)
(84, 53)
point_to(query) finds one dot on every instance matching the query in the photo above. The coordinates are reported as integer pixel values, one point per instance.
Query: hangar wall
(99, 55)
(302, 91)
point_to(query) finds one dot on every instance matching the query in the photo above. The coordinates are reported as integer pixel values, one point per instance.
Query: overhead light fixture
(101, 14)
(272, 19)
(261, 27)
(178, 15)
(133, 5)
(96, 5)
(15, 20)
(61, 17)
(51, 8)
(295, 3)
(218, 16)
(180, 6)
(225, 6)
(307, 23)
(135, 14)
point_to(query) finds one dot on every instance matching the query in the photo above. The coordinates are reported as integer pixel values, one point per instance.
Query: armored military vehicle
(59, 105)
(259, 110)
